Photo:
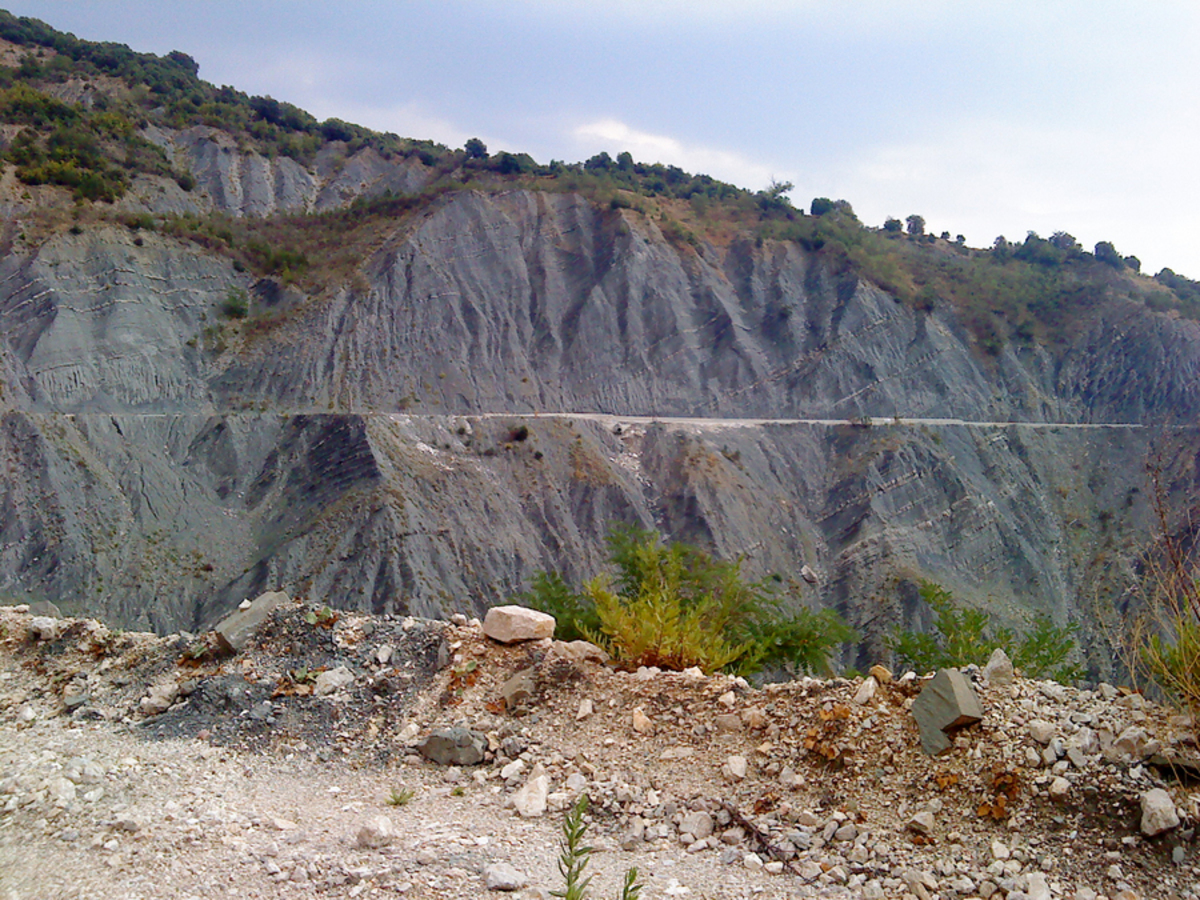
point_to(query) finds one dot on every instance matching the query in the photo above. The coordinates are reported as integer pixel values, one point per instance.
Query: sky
(984, 118)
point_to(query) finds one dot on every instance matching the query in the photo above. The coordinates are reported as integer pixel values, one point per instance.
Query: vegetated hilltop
(246, 349)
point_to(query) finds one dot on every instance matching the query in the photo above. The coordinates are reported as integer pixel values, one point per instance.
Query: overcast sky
(985, 118)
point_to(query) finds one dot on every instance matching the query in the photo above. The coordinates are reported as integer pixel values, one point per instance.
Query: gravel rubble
(136, 766)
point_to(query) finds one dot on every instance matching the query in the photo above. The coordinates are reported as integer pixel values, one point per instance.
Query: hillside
(245, 349)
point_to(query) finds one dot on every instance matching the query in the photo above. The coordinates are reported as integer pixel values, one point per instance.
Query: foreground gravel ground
(133, 766)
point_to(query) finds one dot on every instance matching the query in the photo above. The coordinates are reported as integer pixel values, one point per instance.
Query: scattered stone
(510, 624)
(866, 691)
(922, 823)
(44, 609)
(807, 573)
(754, 718)
(384, 654)
(1036, 887)
(530, 800)
(999, 669)
(881, 674)
(60, 791)
(728, 722)
(1132, 742)
(586, 708)
(332, 680)
(946, 703)
(503, 877)
(160, 698)
(518, 690)
(379, 832)
(698, 824)
(641, 722)
(235, 630)
(456, 746)
(45, 628)
(1158, 812)
(1041, 731)
(1059, 789)
(735, 768)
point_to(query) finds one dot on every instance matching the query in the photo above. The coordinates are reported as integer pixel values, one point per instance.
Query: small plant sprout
(574, 856)
(401, 796)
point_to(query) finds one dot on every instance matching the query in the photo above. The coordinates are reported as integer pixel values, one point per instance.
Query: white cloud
(986, 177)
(614, 136)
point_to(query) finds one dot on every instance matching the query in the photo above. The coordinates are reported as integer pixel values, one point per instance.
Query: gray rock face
(341, 453)
(244, 183)
(945, 704)
(454, 747)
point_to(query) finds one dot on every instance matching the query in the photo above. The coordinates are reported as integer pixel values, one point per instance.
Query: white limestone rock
(1158, 812)
(510, 624)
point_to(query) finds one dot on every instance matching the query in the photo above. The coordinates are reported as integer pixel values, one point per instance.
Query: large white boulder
(509, 624)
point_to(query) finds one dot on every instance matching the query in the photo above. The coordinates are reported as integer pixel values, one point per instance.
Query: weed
(322, 618)
(1166, 637)
(458, 791)
(401, 796)
(574, 856)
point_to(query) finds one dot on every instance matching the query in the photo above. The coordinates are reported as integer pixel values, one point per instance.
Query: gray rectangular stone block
(946, 704)
(236, 629)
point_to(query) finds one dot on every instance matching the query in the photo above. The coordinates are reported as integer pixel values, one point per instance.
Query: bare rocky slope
(383, 445)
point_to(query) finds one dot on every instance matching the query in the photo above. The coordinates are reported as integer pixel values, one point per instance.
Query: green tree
(820, 206)
(915, 224)
(1107, 254)
(892, 225)
(476, 149)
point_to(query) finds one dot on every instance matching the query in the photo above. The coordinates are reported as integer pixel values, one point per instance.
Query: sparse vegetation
(962, 636)
(1165, 637)
(674, 606)
(324, 617)
(401, 795)
(236, 304)
(575, 854)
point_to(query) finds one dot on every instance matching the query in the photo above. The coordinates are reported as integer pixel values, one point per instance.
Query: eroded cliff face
(365, 447)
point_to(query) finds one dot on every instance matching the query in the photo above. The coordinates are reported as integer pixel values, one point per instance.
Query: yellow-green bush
(675, 606)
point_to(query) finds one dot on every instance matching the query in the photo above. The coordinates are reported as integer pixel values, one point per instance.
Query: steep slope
(180, 431)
